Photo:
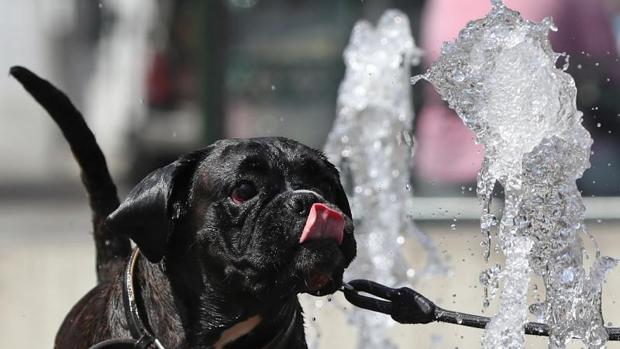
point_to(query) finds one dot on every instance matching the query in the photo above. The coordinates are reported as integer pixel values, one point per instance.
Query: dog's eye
(243, 192)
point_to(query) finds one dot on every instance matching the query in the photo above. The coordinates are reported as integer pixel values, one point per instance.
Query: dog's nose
(301, 201)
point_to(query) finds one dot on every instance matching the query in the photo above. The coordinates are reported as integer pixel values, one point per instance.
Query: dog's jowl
(226, 238)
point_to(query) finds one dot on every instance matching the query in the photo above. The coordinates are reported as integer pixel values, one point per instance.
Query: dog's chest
(237, 331)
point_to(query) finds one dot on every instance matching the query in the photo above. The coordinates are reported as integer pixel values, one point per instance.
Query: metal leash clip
(404, 305)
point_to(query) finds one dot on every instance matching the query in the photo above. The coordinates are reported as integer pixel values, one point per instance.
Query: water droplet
(568, 275)
(410, 273)
(407, 137)
(497, 3)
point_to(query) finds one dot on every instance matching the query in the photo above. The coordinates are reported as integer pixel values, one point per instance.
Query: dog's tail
(111, 248)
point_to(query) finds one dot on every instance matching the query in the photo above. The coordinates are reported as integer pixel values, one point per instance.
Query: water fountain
(371, 143)
(500, 76)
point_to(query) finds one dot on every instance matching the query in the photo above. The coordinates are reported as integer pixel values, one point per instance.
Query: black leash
(407, 306)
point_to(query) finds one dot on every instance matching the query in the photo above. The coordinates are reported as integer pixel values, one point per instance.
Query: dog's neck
(199, 315)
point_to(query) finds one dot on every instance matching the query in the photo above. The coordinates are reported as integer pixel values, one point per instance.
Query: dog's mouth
(316, 281)
(320, 266)
(321, 238)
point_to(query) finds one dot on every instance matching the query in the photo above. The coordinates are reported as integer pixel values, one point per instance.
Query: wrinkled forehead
(231, 158)
(231, 154)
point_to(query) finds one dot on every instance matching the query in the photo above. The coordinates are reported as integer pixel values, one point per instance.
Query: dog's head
(266, 216)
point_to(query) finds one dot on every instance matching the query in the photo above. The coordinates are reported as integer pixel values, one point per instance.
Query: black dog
(229, 235)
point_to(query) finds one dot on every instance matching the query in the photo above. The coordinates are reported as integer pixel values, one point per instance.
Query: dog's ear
(341, 198)
(149, 212)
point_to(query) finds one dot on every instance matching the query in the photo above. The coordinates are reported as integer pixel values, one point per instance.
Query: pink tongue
(323, 223)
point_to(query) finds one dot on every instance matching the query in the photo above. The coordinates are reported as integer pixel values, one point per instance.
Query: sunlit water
(371, 144)
(500, 76)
